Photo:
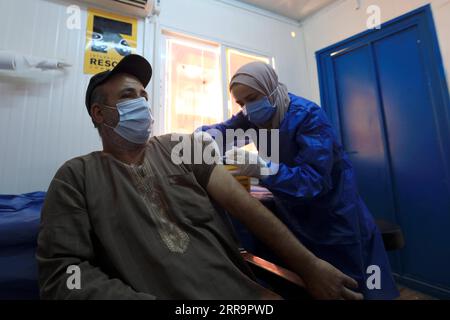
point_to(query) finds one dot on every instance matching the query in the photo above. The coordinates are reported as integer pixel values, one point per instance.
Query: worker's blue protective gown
(317, 198)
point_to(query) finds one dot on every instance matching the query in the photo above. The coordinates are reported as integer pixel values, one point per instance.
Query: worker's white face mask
(135, 120)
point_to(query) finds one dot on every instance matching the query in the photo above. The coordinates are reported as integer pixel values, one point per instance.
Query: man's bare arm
(323, 280)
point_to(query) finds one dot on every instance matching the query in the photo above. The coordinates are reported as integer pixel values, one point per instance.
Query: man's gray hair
(98, 96)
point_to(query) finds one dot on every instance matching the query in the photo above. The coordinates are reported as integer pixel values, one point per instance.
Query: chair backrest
(392, 235)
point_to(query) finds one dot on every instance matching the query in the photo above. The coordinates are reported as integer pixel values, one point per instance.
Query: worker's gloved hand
(325, 282)
(249, 163)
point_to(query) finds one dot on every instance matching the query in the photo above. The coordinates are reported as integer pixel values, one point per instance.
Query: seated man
(138, 226)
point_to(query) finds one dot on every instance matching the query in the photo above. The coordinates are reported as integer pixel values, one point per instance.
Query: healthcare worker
(313, 182)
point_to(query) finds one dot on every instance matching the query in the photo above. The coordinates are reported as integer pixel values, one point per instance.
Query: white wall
(44, 122)
(233, 24)
(341, 21)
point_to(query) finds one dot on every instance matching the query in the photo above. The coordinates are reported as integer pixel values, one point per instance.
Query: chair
(392, 235)
(278, 279)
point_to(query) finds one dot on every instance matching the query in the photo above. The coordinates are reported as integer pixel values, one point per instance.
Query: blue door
(386, 93)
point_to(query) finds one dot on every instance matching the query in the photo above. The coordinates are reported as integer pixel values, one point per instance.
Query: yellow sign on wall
(109, 38)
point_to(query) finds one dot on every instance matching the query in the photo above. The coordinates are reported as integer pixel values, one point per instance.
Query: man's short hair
(98, 96)
(132, 64)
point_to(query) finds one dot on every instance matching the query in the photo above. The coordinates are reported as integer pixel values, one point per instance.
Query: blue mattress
(19, 226)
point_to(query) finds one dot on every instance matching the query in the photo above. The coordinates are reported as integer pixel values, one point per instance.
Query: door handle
(351, 152)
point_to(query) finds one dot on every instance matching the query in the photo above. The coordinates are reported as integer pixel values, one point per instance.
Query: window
(193, 90)
(235, 60)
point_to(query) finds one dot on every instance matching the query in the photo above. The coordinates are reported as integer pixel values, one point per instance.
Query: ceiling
(293, 9)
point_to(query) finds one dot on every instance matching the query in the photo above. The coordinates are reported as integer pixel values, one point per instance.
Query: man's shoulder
(169, 140)
(171, 137)
(80, 160)
(75, 166)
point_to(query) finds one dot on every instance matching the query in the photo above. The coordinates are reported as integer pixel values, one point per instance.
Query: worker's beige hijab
(262, 77)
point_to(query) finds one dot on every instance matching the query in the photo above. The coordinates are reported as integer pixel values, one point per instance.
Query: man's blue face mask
(259, 112)
(135, 120)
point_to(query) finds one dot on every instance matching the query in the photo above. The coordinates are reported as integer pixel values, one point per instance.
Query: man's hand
(322, 279)
(325, 282)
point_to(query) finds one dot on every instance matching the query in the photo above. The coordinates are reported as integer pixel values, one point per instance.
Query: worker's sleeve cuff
(269, 170)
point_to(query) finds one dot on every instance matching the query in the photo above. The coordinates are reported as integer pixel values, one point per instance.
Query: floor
(408, 294)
